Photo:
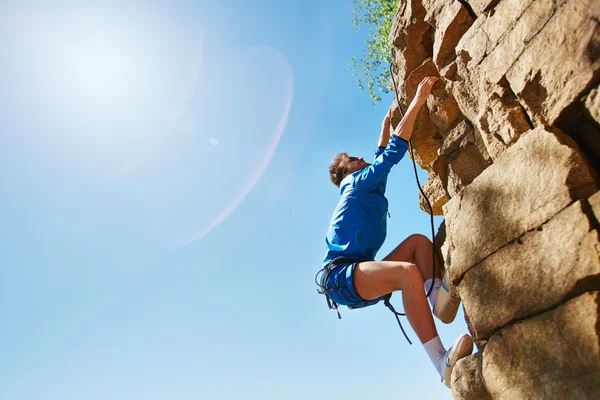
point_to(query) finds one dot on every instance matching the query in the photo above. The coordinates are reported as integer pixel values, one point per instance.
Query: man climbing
(353, 278)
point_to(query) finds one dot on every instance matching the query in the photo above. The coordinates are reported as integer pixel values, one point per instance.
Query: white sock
(437, 283)
(435, 350)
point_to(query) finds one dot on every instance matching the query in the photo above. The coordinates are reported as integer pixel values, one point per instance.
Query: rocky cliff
(511, 140)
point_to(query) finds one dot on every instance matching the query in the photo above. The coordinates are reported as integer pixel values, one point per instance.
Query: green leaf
(371, 70)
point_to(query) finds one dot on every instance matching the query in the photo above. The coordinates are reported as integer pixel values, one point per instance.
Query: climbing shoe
(446, 302)
(463, 346)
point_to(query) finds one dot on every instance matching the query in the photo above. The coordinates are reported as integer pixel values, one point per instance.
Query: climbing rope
(416, 176)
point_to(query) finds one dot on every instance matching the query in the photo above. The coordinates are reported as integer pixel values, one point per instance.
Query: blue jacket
(359, 223)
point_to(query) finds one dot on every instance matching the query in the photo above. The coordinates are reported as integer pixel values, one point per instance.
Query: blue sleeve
(379, 151)
(385, 160)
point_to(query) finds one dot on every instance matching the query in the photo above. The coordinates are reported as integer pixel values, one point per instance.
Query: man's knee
(419, 241)
(410, 275)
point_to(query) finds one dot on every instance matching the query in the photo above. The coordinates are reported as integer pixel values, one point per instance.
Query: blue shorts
(339, 284)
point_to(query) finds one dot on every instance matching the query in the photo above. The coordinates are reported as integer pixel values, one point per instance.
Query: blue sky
(165, 199)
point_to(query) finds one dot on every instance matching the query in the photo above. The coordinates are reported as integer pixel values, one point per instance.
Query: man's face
(354, 164)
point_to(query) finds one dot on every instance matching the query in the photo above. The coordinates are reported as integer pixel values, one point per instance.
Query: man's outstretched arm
(405, 128)
(393, 153)
(384, 138)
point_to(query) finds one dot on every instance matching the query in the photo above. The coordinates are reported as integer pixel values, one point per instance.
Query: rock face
(467, 381)
(510, 137)
(553, 355)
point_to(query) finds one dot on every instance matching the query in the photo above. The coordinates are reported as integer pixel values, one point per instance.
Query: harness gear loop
(321, 282)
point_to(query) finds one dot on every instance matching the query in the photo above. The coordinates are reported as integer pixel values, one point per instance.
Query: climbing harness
(321, 281)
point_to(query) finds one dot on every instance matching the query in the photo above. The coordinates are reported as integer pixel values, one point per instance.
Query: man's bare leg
(373, 279)
(417, 249)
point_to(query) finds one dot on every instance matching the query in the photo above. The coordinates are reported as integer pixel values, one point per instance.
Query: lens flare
(129, 97)
(194, 181)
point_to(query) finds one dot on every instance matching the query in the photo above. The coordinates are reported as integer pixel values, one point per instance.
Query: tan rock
(487, 31)
(467, 383)
(501, 121)
(458, 138)
(592, 103)
(551, 356)
(474, 43)
(486, 51)
(443, 109)
(426, 139)
(435, 191)
(546, 86)
(528, 184)
(465, 161)
(451, 20)
(595, 204)
(513, 41)
(481, 6)
(464, 167)
(493, 109)
(435, 186)
(445, 249)
(449, 71)
(521, 205)
(466, 86)
(426, 68)
(440, 238)
(411, 38)
(541, 269)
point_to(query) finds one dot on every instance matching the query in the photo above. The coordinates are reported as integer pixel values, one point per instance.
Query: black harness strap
(321, 282)
(389, 305)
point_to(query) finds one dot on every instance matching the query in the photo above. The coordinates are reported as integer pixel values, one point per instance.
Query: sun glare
(102, 65)
(112, 80)
(100, 70)
(127, 96)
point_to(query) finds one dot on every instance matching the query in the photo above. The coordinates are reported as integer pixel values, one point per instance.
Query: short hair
(337, 168)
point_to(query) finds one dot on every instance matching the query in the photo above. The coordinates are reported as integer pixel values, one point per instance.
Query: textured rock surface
(511, 139)
(436, 194)
(443, 109)
(426, 139)
(410, 37)
(501, 121)
(592, 103)
(480, 6)
(544, 267)
(507, 200)
(550, 356)
(467, 383)
(485, 53)
(489, 29)
(451, 20)
(507, 45)
(464, 158)
(545, 86)
(594, 203)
